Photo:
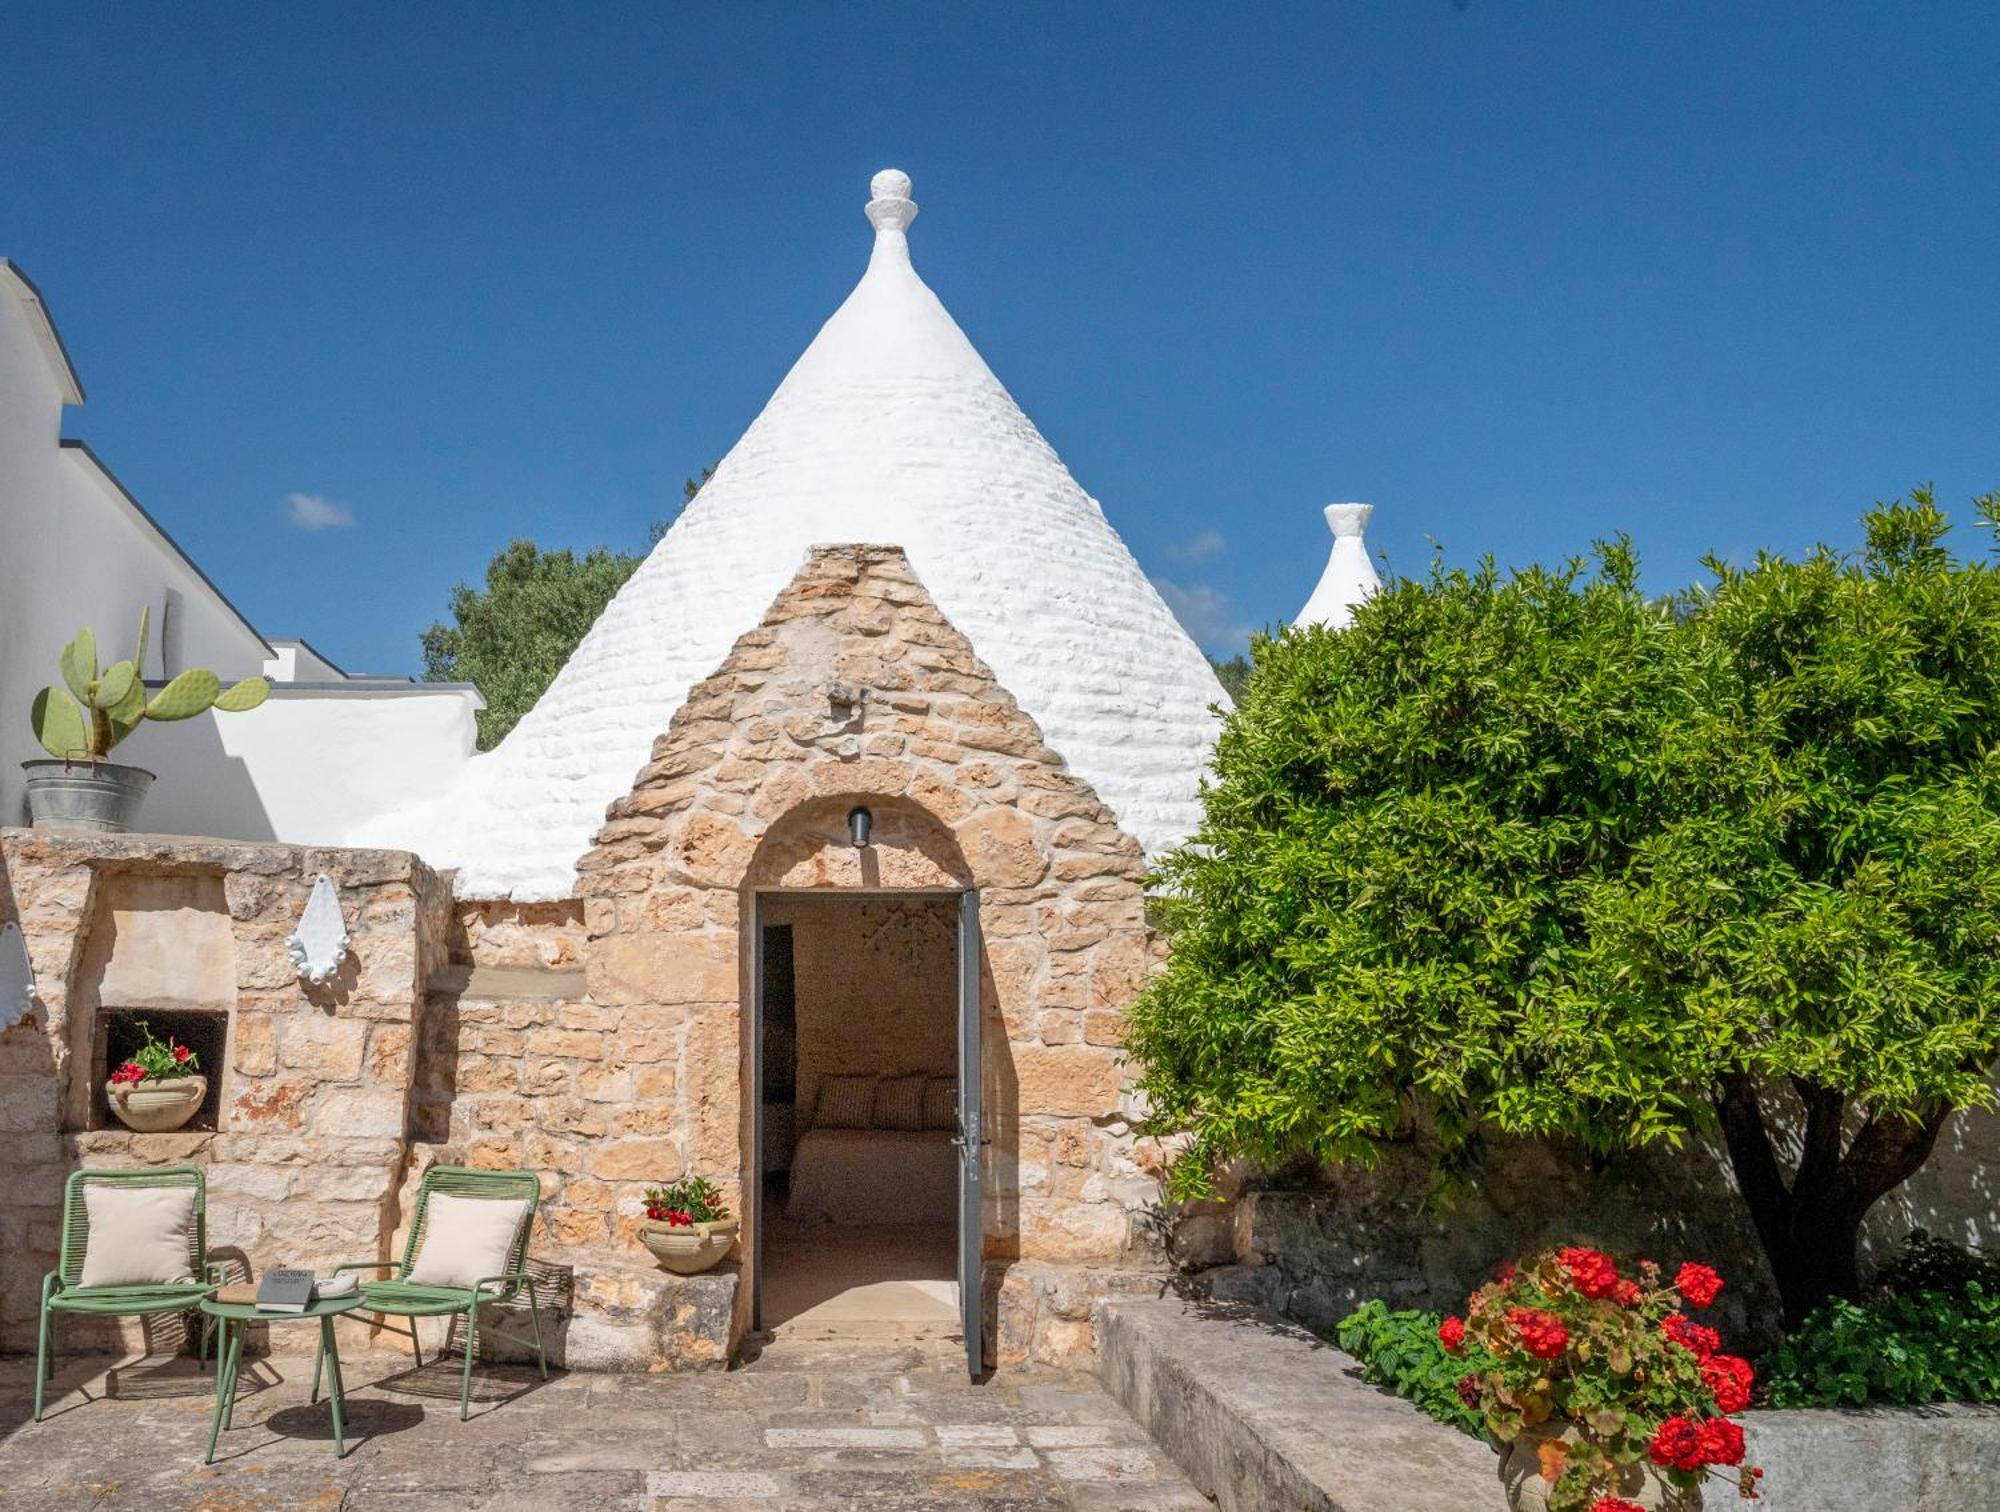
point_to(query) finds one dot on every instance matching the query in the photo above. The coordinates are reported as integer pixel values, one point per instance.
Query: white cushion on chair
(466, 1240)
(139, 1235)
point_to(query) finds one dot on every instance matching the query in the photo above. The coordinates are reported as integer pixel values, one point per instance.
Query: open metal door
(971, 1139)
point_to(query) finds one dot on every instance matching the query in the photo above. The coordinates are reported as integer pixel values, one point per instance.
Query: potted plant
(80, 788)
(1600, 1391)
(159, 1088)
(687, 1227)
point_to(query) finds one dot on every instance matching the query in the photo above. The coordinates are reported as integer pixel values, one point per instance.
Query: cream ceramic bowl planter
(1527, 1491)
(155, 1107)
(688, 1249)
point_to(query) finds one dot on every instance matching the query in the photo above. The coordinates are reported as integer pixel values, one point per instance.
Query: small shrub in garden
(1928, 1331)
(1572, 1343)
(1402, 1351)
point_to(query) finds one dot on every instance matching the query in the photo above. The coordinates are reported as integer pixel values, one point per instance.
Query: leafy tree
(1234, 675)
(1533, 854)
(511, 637)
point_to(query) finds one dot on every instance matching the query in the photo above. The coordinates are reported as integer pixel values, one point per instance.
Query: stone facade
(309, 1151)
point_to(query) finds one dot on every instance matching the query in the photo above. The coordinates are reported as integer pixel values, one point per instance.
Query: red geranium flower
(180, 1052)
(1590, 1271)
(1542, 1334)
(1451, 1334)
(1721, 1442)
(1698, 1283)
(1730, 1378)
(1615, 1504)
(1626, 1293)
(1677, 1445)
(679, 1217)
(1697, 1340)
(655, 1214)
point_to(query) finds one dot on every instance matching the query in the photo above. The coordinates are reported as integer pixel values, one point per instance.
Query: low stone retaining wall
(1901, 1459)
(1265, 1417)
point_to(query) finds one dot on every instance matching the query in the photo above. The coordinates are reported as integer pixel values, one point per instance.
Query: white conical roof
(1349, 576)
(890, 429)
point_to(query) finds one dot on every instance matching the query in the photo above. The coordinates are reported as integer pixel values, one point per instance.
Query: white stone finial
(890, 207)
(1348, 519)
(1349, 576)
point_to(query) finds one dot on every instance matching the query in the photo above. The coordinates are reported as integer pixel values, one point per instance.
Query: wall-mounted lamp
(859, 822)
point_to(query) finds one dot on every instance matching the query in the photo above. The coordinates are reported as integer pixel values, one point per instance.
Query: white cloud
(1204, 544)
(1205, 614)
(316, 512)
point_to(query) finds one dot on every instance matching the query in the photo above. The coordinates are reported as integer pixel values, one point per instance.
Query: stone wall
(1314, 1251)
(309, 1151)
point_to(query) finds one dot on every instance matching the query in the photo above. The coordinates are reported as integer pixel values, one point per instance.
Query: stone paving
(808, 1425)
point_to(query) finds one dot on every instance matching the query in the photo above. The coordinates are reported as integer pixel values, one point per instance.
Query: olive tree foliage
(1531, 853)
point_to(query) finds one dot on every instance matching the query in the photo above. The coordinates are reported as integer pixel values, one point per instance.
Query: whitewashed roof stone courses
(889, 428)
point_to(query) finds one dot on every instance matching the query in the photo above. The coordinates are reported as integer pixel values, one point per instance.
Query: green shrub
(1927, 1331)
(1401, 1351)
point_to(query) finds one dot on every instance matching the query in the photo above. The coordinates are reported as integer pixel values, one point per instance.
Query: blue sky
(1713, 275)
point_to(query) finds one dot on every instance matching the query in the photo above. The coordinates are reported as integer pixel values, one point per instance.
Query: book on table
(289, 1291)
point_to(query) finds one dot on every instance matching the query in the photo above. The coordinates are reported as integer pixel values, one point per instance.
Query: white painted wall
(315, 761)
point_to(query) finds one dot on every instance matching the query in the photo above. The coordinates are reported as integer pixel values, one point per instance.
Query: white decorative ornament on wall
(17, 977)
(320, 943)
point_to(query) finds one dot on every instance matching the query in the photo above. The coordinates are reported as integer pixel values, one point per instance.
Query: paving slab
(808, 1427)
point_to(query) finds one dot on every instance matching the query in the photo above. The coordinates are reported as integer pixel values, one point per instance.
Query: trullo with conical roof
(819, 873)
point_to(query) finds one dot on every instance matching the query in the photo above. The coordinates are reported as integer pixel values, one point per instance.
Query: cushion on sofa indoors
(845, 1102)
(899, 1103)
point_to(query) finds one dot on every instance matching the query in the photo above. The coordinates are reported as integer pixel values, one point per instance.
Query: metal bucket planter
(1527, 1491)
(688, 1249)
(156, 1107)
(94, 797)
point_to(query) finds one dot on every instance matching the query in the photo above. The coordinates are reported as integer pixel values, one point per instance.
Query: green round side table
(235, 1319)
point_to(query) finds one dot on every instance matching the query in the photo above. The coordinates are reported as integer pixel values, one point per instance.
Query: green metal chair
(62, 1288)
(397, 1298)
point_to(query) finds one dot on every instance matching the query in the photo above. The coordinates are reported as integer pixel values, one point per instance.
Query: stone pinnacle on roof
(1350, 576)
(889, 428)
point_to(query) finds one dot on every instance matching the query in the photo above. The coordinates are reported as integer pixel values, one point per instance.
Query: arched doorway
(865, 1183)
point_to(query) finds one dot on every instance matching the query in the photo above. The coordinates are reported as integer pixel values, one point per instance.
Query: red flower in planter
(680, 1218)
(131, 1071)
(1730, 1379)
(1677, 1445)
(1615, 1504)
(655, 1214)
(181, 1053)
(1626, 1294)
(1590, 1271)
(1698, 1283)
(1695, 1338)
(1451, 1334)
(1542, 1334)
(1721, 1442)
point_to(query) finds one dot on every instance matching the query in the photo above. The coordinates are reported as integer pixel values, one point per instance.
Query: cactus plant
(102, 706)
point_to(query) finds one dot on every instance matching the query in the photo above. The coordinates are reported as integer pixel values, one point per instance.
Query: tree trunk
(1809, 1220)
